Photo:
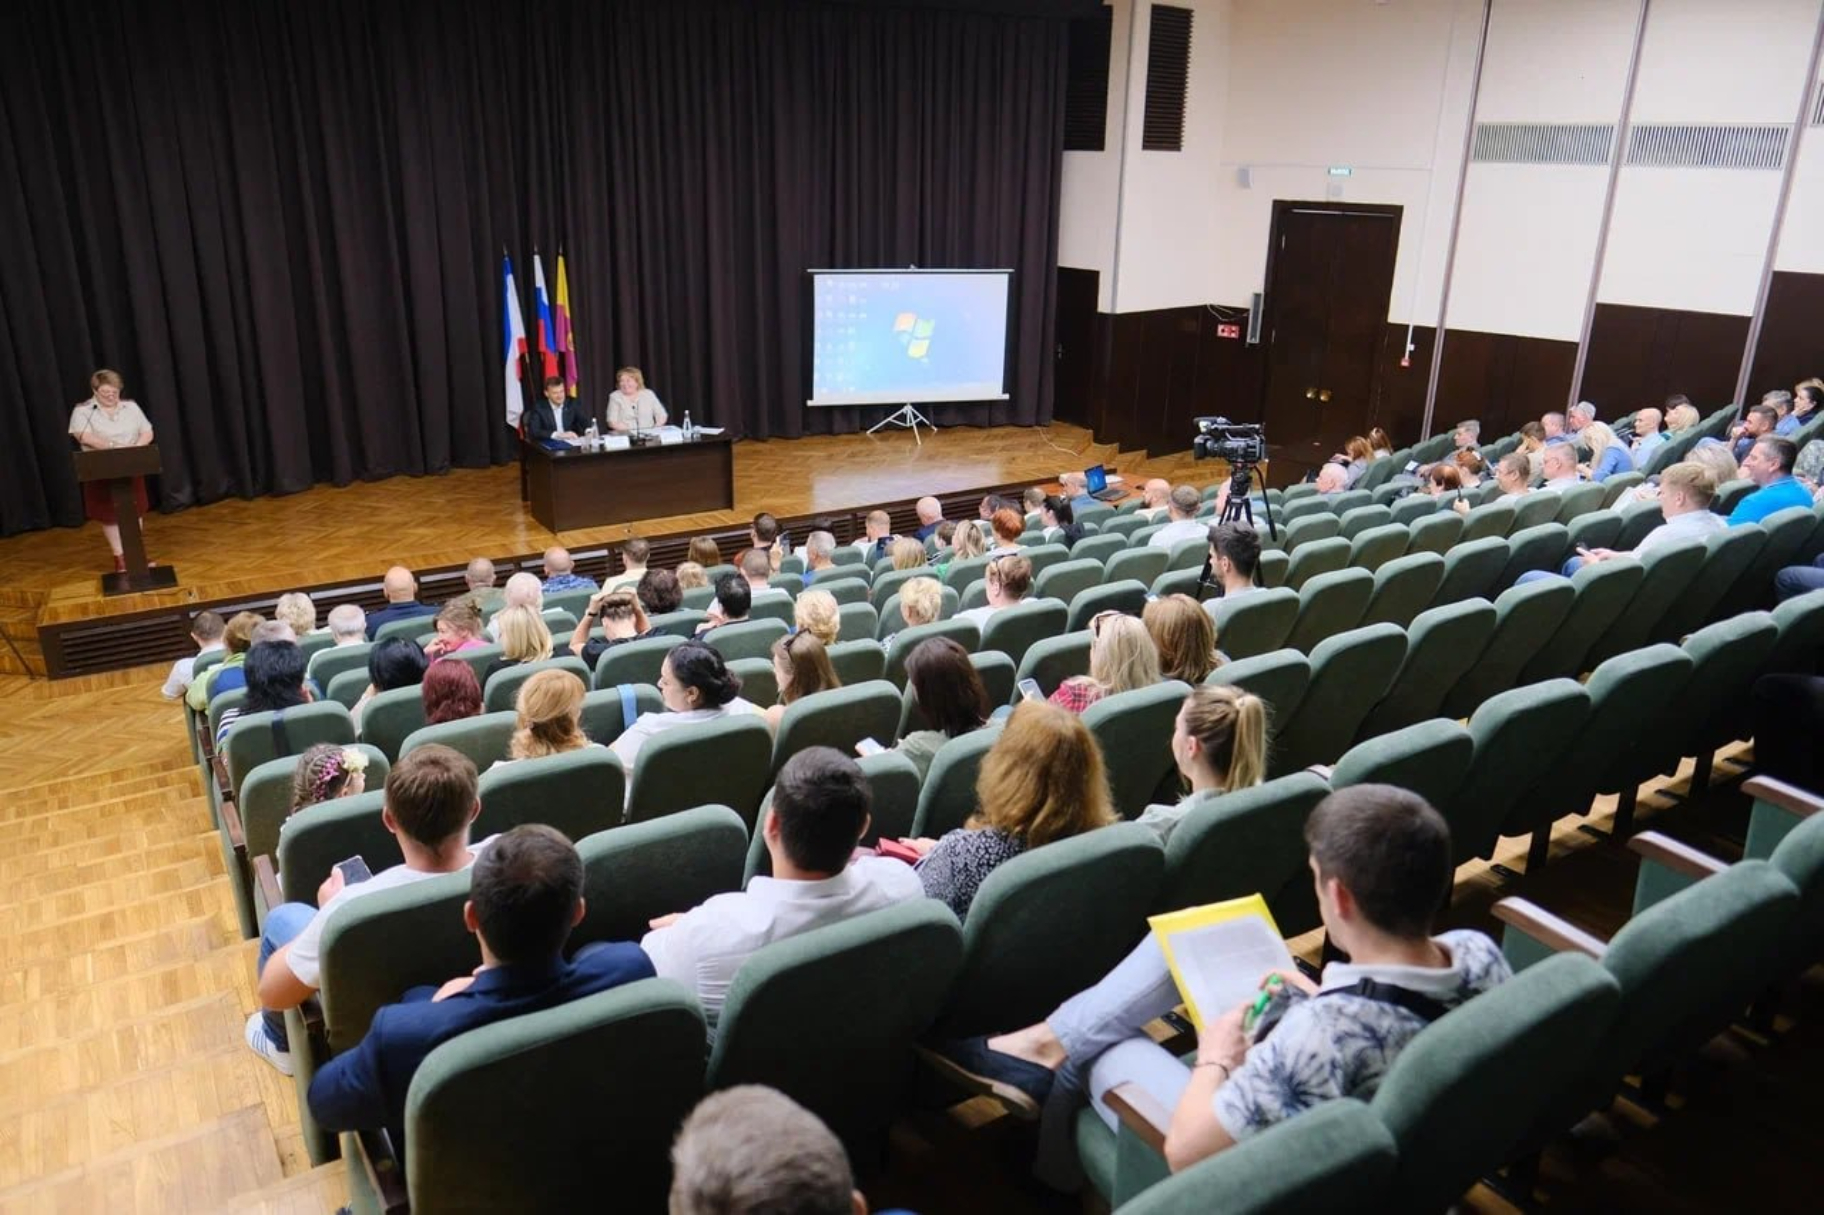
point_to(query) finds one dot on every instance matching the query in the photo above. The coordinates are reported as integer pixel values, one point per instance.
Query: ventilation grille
(1543, 143)
(1817, 107)
(1168, 76)
(1708, 147)
(1086, 92)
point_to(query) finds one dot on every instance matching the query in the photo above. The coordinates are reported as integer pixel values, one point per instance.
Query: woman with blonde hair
(458, 627)
(524, 637)
(906, 554)
(297, 610)
(704, 552)
(1219, 742)
(550, 708)
(1185, 637)
(632, 405)
(1379, 443)
(1043, 780)
(1357, 455)
(802, 667)
(817, 613)
(1682, 417)
(1608, 456)
(969, 541)
(921, 601)
(1122, 657)
(691, 575)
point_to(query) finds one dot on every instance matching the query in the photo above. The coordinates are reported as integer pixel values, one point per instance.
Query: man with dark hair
(430, 802)
(1760, 420)
(554, 417)
(1234, 556)
(525, 896)
(819, 813)
(756, 567)
(764, 530)
(731, 605)
(275, 680)
(634, 552)
(1769, 465)
(1182, 506)
(1381, 864)
(751, 1149)
(659, 592)
(206, 631)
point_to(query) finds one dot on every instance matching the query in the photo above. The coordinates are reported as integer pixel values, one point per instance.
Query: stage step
(79, 864)
(42, 905)
(74, 996)
(177, 770)
(147, 931)
(322, 1189)
(182, 818)
(205, 1167)
(30, 803)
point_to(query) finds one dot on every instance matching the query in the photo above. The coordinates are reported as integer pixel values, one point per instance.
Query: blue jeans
(1798, 579)
(283, 924)
(1571, 566)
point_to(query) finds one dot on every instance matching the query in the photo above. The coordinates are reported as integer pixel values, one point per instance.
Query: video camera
(1236, 442)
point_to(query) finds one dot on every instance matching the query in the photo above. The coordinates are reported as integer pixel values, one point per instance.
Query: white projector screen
(902, 337)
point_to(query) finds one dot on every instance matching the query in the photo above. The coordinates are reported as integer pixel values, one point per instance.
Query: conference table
(576, 489)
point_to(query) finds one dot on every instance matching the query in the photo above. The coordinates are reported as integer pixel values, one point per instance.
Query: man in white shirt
(347, 624)
(1234, 556)
(1158, 495)
(633, 565)
(1184, 525)
(206, 631)
(431, 802)
(819, 813)
(1008, 581)
(879, 534)
(757, 567)
(1560, 465)
(1685, 493)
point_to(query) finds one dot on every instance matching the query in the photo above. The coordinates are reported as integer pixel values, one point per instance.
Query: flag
(513, 335)
(547, 328)
(566, 336)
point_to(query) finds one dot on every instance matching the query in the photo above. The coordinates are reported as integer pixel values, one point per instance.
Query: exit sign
(1228, 331)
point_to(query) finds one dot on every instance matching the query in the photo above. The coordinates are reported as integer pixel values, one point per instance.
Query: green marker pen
(1273, 984)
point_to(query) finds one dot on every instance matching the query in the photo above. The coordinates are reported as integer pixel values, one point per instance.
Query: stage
(55, 620)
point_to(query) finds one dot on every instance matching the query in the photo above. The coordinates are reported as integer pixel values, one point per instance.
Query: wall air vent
(1678, 146)
(1086, 84)
(1543, 143)
(1168, 78)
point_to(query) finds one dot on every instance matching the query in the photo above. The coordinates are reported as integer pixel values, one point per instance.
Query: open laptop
(1097, 476)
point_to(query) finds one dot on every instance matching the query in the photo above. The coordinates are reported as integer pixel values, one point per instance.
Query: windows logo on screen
(914, 333)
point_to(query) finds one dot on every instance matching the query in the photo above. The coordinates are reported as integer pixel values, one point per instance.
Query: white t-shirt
(305, 954)
(705, 948)
(124, 428)
(1692, 525)
(1177, 532)
(978, 615)
(183, 671)
(634, 738)
(642, 411)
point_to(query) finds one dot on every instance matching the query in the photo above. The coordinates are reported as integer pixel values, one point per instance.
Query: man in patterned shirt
(1380, 857)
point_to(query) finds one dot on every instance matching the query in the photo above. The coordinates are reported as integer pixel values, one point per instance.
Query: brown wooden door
(1072, 400)
(1329, 276)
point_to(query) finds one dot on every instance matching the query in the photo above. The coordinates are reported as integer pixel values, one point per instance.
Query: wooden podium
(118, 466)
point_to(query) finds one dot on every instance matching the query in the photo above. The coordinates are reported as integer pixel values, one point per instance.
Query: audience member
(921, 601)
(692, 576)
(1030, 498)
(1219, 743)
(969, 541)
(991, 503)
(818, 815)
(1008, 527)
(1157, 494)
(764, 531)
(1380, 443)
(907, 554)
(1008, 581)
(1681, 414)
(347, 624)
(750, 1150)
(1580, 416)
(1555, 429)
(818, 613)
(226, 675)
(1781, 400)
(1076, 489)
(659, 592)
(930, 516)
(525, 896)
(634, 553)
(451, 692)
(206, 630)
(1512, 472)
(1331, 479)
(1122, 658)
(297, 609)
(756, 568)
(704, 551)
(696, 686)
(1443, 481)
(1560, 465)
(458, 628)
(401, 591)
(1380, 860)
(1467, 434)
(1532, 446)
(1769, 466)
(1041, 781)
(819, 554)
(622, 620)
(561, 575)
(1470, 466)
(877, 535)
(1760, 420)
(1608, 455)
(328, 771)
(1059, 521)
(550, 709)
(801, 667)
(396, 662)
(430, 802)
(1185, 637)
(1182, 509)
(1647, 436)
(479, 578)
(949, 694)
(524, 637)
(1355, 458)
(1806, 398)
(275, 681)
(1685, 493)
(1809, 467)
(731, 605)
(1234, 556)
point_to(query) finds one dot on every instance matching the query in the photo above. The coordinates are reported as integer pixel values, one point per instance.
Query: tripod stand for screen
(905, 415)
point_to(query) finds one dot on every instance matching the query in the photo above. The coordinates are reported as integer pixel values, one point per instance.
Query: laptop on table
(1097, 476)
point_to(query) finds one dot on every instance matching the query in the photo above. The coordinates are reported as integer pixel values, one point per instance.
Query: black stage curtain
(283, 223)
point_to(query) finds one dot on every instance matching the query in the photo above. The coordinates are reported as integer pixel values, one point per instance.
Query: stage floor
(249, 548)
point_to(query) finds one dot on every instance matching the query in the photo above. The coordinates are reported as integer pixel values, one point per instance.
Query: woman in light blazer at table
(632, 405)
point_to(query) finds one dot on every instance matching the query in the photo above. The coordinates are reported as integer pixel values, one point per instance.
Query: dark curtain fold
(283, 223)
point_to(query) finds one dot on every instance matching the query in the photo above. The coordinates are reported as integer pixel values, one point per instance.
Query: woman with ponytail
(1220, 744)
(550, 707)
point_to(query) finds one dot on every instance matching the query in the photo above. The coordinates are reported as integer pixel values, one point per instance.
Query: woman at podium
(632, 405)
(103, 421)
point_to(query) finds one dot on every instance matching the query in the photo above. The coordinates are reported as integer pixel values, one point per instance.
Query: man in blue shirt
(1769, 465)
(527, 895)
(1647, 436)
(1781, 400)
(561, 575)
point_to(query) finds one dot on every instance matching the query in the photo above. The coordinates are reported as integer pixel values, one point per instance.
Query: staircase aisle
(124, 986)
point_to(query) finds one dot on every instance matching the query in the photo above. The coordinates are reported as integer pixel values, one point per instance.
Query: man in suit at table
(555, 417)
(525, 896)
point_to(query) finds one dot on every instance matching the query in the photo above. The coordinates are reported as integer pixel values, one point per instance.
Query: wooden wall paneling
(1791, 346)
(1638, 356)
(1398, 406)
(1501, 378)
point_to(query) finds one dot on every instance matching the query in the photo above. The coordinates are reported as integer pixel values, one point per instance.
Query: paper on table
(1218, 954)
(615, 443)
(711, 431)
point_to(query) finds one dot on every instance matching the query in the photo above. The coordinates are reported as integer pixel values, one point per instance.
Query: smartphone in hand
(1029, 690)
(354, 869)
(868, 746)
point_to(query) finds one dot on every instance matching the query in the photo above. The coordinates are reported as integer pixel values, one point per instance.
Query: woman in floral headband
(326, 772)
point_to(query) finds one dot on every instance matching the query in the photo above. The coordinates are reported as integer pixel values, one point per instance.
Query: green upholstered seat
(727, 761)
(1327, 605)
(1255, 623)
(1278, 677)
(1134, 730)
(502, 690)
(1403, 588)
(1350, 673)
(839, 718)
(1526, 618)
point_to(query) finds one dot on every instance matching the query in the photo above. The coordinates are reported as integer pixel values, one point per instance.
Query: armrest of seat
(1790, 798)
(1139, 1113)
(266, 890)
(383, 1172)
(1556, 935)
(1323, 770)
(1680, 858)
(223, 786)
(231, 823)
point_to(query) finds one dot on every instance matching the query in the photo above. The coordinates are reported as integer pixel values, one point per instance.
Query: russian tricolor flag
(513, 333)
(547, 324)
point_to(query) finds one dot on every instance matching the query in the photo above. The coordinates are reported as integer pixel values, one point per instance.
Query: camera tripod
(1236, 510)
